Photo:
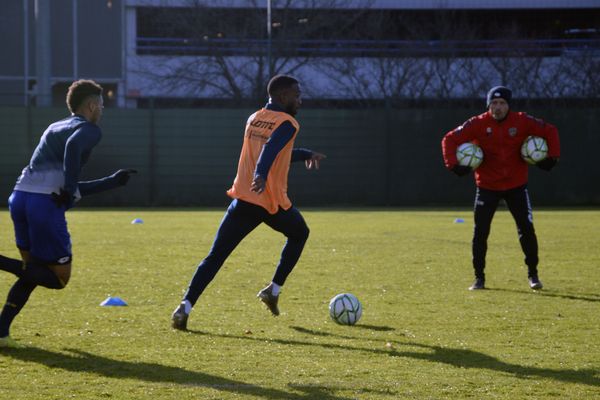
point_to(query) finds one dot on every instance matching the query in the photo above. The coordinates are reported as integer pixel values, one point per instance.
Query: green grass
(422, 334)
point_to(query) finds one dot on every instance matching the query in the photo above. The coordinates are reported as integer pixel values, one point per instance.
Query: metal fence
(367, 48)
(379, 157)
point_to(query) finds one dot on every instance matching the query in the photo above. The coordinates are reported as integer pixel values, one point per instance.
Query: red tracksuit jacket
(502, 167)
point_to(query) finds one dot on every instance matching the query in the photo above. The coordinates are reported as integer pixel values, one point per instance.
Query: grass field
(423, 335)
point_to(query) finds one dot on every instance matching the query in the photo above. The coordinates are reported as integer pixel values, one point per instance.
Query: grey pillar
(43, 60)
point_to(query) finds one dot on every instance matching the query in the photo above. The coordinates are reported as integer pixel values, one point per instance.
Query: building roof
(387, 4)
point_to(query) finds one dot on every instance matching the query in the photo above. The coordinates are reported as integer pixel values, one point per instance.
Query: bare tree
(373, 78)
(235, 62)
(582, 66)
(476, 81)
(418, 65)
(223, 52)
(448, 60)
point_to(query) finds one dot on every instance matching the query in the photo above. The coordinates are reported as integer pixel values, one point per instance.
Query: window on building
(360, 33)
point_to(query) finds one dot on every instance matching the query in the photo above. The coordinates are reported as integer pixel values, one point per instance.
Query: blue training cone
(137, 221)
(113, 301)
(459, 221)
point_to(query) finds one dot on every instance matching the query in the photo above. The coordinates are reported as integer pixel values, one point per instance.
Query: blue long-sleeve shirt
(279, 138)
(56, 163)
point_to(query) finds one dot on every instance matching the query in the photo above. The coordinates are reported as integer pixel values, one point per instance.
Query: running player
(259, 195)
(46, 189)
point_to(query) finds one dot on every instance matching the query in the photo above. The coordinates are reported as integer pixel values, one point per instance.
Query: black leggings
(240, 219)
(517, 200)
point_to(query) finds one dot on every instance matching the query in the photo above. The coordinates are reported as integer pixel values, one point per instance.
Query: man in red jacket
(500, 133)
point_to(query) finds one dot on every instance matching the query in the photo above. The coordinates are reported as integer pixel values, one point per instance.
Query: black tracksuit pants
(240, 219)
(517, 200)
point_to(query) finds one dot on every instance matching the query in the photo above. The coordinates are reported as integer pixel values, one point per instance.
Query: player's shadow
(361, 326)
(74, 360)
(547, 293)
(377, 328)
(462, 358)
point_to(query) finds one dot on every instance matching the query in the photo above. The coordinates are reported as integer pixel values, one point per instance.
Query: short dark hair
(278, 83)
(79, 91)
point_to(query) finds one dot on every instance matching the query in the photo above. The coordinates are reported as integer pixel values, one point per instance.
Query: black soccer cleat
(535, 283)
(478, 284)
(179, 318)
(267, 297)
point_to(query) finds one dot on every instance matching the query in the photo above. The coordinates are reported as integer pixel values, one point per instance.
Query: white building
(175, 50)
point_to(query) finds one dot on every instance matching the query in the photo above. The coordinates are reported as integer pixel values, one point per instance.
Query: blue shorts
(40, 227)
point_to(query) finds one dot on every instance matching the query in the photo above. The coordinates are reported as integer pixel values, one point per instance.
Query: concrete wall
(95, 53)
(375, 157)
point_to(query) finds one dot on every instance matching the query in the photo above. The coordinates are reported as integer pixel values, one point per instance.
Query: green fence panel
(375, 157)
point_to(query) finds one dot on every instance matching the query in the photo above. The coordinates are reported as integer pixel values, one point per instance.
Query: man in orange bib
(259, 195)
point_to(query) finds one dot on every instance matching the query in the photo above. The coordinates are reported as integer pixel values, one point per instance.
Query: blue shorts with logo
(40, 227)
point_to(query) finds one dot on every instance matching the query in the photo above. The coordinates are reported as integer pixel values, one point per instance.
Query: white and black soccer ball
(345, 309)
(534, 149)
(469, 155)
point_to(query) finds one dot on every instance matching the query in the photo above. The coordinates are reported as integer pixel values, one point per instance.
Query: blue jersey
(56, 163)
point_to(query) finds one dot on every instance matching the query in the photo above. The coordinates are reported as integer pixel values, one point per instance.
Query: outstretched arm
(119, 178)
(278, 140)
(311, 158)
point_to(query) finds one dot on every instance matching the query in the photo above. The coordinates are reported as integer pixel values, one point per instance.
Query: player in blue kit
(46, 189)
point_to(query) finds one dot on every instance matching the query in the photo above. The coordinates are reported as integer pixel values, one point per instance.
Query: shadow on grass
(365, 327)
(462, 358)
(81, 361)
(375, 328)
(548, 293)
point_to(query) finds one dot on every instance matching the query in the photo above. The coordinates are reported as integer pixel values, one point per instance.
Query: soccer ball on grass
(345, 309)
